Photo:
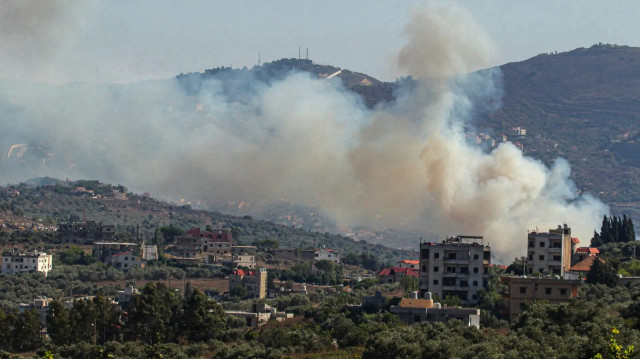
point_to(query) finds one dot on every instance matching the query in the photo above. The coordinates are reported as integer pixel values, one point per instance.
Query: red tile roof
(243, 272)
(409, 261)
(395, 270)
(585, 264)
(588, 250)
(575, 240)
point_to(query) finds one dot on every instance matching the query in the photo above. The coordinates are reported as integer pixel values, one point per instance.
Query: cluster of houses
(456, 267)
(459, 267)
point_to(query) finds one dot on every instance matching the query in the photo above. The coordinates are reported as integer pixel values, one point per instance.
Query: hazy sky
(125, 41)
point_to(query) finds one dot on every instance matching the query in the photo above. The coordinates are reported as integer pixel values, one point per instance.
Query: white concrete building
(16, 262)
(149, 252)
(327, 254)
(125, 261)
(459, 266)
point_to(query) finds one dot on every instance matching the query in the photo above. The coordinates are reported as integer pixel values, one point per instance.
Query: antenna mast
(298, 52)
(307, 53)
(258, 58)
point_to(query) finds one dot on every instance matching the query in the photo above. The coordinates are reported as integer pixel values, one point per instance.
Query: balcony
(555, 250)
(455, 274)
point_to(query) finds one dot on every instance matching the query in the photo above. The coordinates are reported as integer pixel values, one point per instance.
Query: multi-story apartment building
(125, 261)
(549, 253)
(521, 290)
(104, 250)
(85, 232)
(243, 256)
(40, 305)
(217, 242)
(16, 262)
(255, 282)
(459, 266)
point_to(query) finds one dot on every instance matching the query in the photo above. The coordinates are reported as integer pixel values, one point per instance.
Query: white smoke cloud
(311, 141)
(35, 35)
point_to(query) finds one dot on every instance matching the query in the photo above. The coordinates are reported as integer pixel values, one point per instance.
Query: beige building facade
(521, 290)
(459, 266)
(550, 253)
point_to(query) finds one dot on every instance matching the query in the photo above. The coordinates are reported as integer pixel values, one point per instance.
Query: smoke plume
(35, 33)
(311, 141)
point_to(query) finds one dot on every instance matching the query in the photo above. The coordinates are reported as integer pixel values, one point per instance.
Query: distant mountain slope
(583, 105)
(239, 82)
(51, 201)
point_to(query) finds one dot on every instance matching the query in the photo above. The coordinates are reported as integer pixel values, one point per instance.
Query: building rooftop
(116, 243)
(585, 264)
(588, 250)
(394, 270)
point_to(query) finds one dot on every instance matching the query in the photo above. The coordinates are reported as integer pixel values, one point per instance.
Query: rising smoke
(311, 141)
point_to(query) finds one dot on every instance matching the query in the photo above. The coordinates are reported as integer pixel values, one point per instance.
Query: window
(464, 283)
(475, 270)
(487, 255)
(563, 291)
(475, 256)
(547, 290)
(436, 255)
(464, 270)
(523, 290)
(541, 244)
(451, 269)
(436, 268)
(425, 253)
(452, 256)
(435, 282)
(557, 258)
(424, 268)
(541, 257)
(531, 244)
(530, 257)
(522, 305)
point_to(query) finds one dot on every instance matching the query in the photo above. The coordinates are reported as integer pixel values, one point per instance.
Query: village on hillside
(261, 283)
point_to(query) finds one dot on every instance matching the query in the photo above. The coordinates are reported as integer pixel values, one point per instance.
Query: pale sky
(126, 41)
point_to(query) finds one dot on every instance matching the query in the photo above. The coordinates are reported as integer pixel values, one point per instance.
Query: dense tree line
(323, 272)
(157, 315)
(364, 259)
(160, 323)
(614, 230)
